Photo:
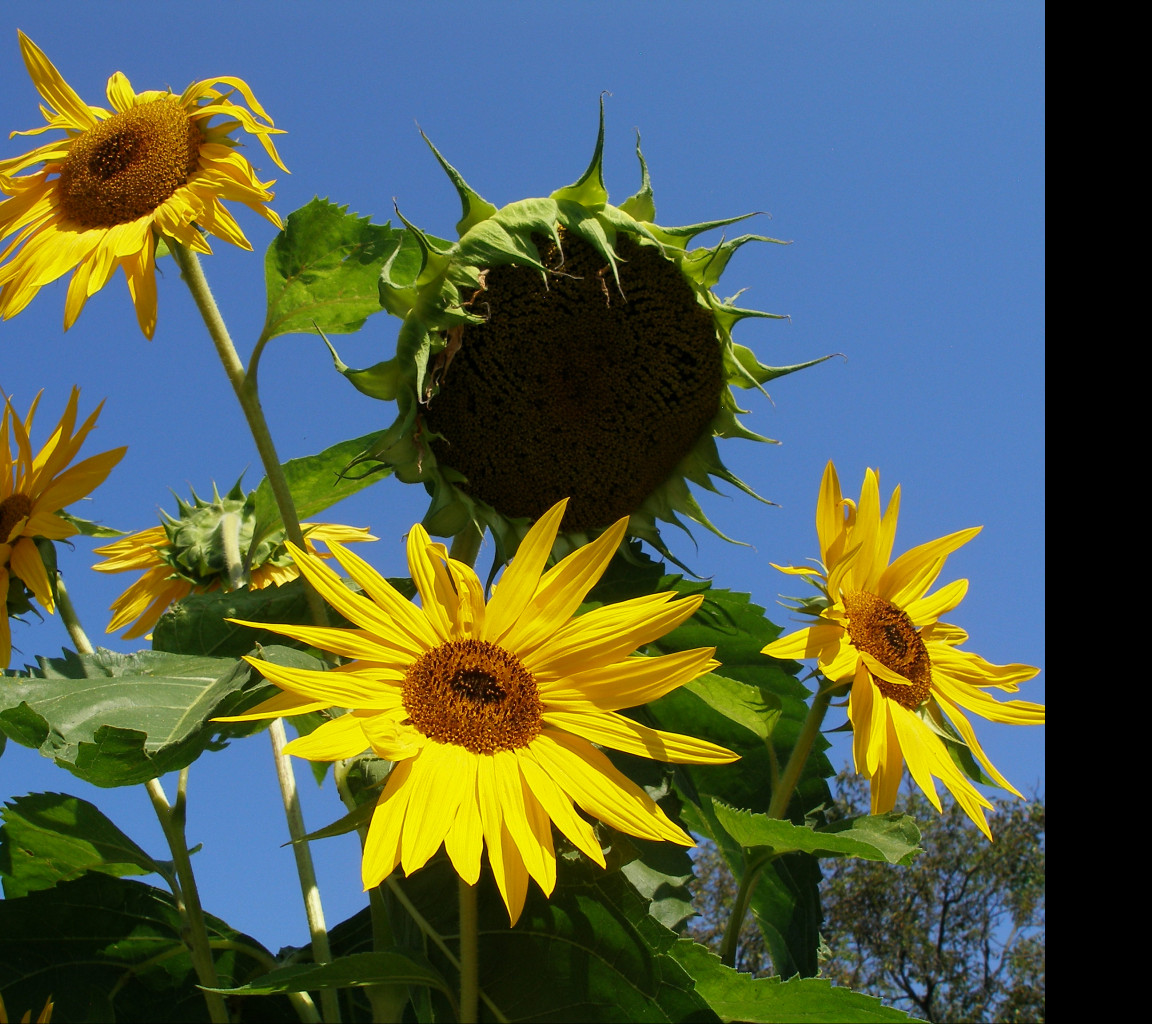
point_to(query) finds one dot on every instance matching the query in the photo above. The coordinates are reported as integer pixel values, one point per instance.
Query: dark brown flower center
(474, 694)
(572, 389)
(129, 164)
(879, 628)
(12, 509)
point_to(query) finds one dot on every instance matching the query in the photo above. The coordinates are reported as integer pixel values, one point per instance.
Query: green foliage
(317, 482)
(321, 270)
(736, 996)
(954, 933)
(120, 719)
(112, 949)
(52, 837)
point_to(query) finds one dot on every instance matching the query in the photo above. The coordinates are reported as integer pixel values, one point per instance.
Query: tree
(956, 936)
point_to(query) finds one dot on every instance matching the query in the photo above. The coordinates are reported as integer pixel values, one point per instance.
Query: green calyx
(562, 347)
(212, 542)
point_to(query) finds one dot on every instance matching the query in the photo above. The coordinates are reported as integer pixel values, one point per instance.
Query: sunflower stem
(782, 795)
(321, 949)
(172, 819)
(469, 951)
(748, 880)
(70, 619)
(247, 395)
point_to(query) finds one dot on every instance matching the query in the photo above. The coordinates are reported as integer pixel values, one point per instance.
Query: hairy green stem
(187, 897)
(70, 619)
(249, 399)
(782, 794)
(782, 791)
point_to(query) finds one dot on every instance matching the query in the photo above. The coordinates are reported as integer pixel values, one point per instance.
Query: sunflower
(491, 710)
(119, 180)
(562, 346)
(33, 491)
(878, 628)
(44, 1018)
(211, 545)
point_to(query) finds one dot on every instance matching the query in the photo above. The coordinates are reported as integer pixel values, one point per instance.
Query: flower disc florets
(562, 346)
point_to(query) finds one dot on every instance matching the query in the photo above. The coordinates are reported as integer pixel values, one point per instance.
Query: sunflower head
(209, 545)
(35, 488)
(878, 630)
(563, 346)
(105, 195)
(493, 710)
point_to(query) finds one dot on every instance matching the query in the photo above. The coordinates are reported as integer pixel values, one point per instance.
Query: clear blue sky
(901, 147)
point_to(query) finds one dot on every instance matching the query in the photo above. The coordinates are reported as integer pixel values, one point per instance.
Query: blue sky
(899, 146)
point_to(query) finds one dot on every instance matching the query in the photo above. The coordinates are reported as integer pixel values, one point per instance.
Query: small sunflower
(879, 628)
(563, 346)
(119, 180)
(211, 545)
(33, 491)
(491, 710)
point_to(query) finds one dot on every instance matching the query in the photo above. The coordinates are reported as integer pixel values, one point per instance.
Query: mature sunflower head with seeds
(563, 346)
(105, 195)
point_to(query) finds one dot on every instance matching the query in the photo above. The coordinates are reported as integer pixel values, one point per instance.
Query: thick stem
(249, 399)
(782, 795)
(782, 792)
(70, 619)
(469, 951)
(187, 898)
(317, 930)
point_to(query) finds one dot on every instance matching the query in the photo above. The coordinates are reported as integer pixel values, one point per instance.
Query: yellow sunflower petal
(518, 583)
(382, 845)
(610, 729)
(594, 783)
(331, 741)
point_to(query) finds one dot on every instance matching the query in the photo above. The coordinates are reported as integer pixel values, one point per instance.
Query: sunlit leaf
(322, 270)
(735, 996)
(120, 719)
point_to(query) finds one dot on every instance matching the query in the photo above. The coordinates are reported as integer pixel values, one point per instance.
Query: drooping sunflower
(120, 180)
(878, 628)
(210, 545)
(491, 709)
(563, 346)
(34, 489)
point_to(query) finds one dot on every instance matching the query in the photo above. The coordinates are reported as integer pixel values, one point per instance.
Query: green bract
(562, 347)
(211, 541)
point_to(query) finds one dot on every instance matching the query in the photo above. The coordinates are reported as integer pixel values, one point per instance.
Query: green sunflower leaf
(198, 623)
(391, 967)
(317, 482)
(51, 837)
(321, 270)
(112, 949)
(884, 837)
(121, 719)
(736, 996)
